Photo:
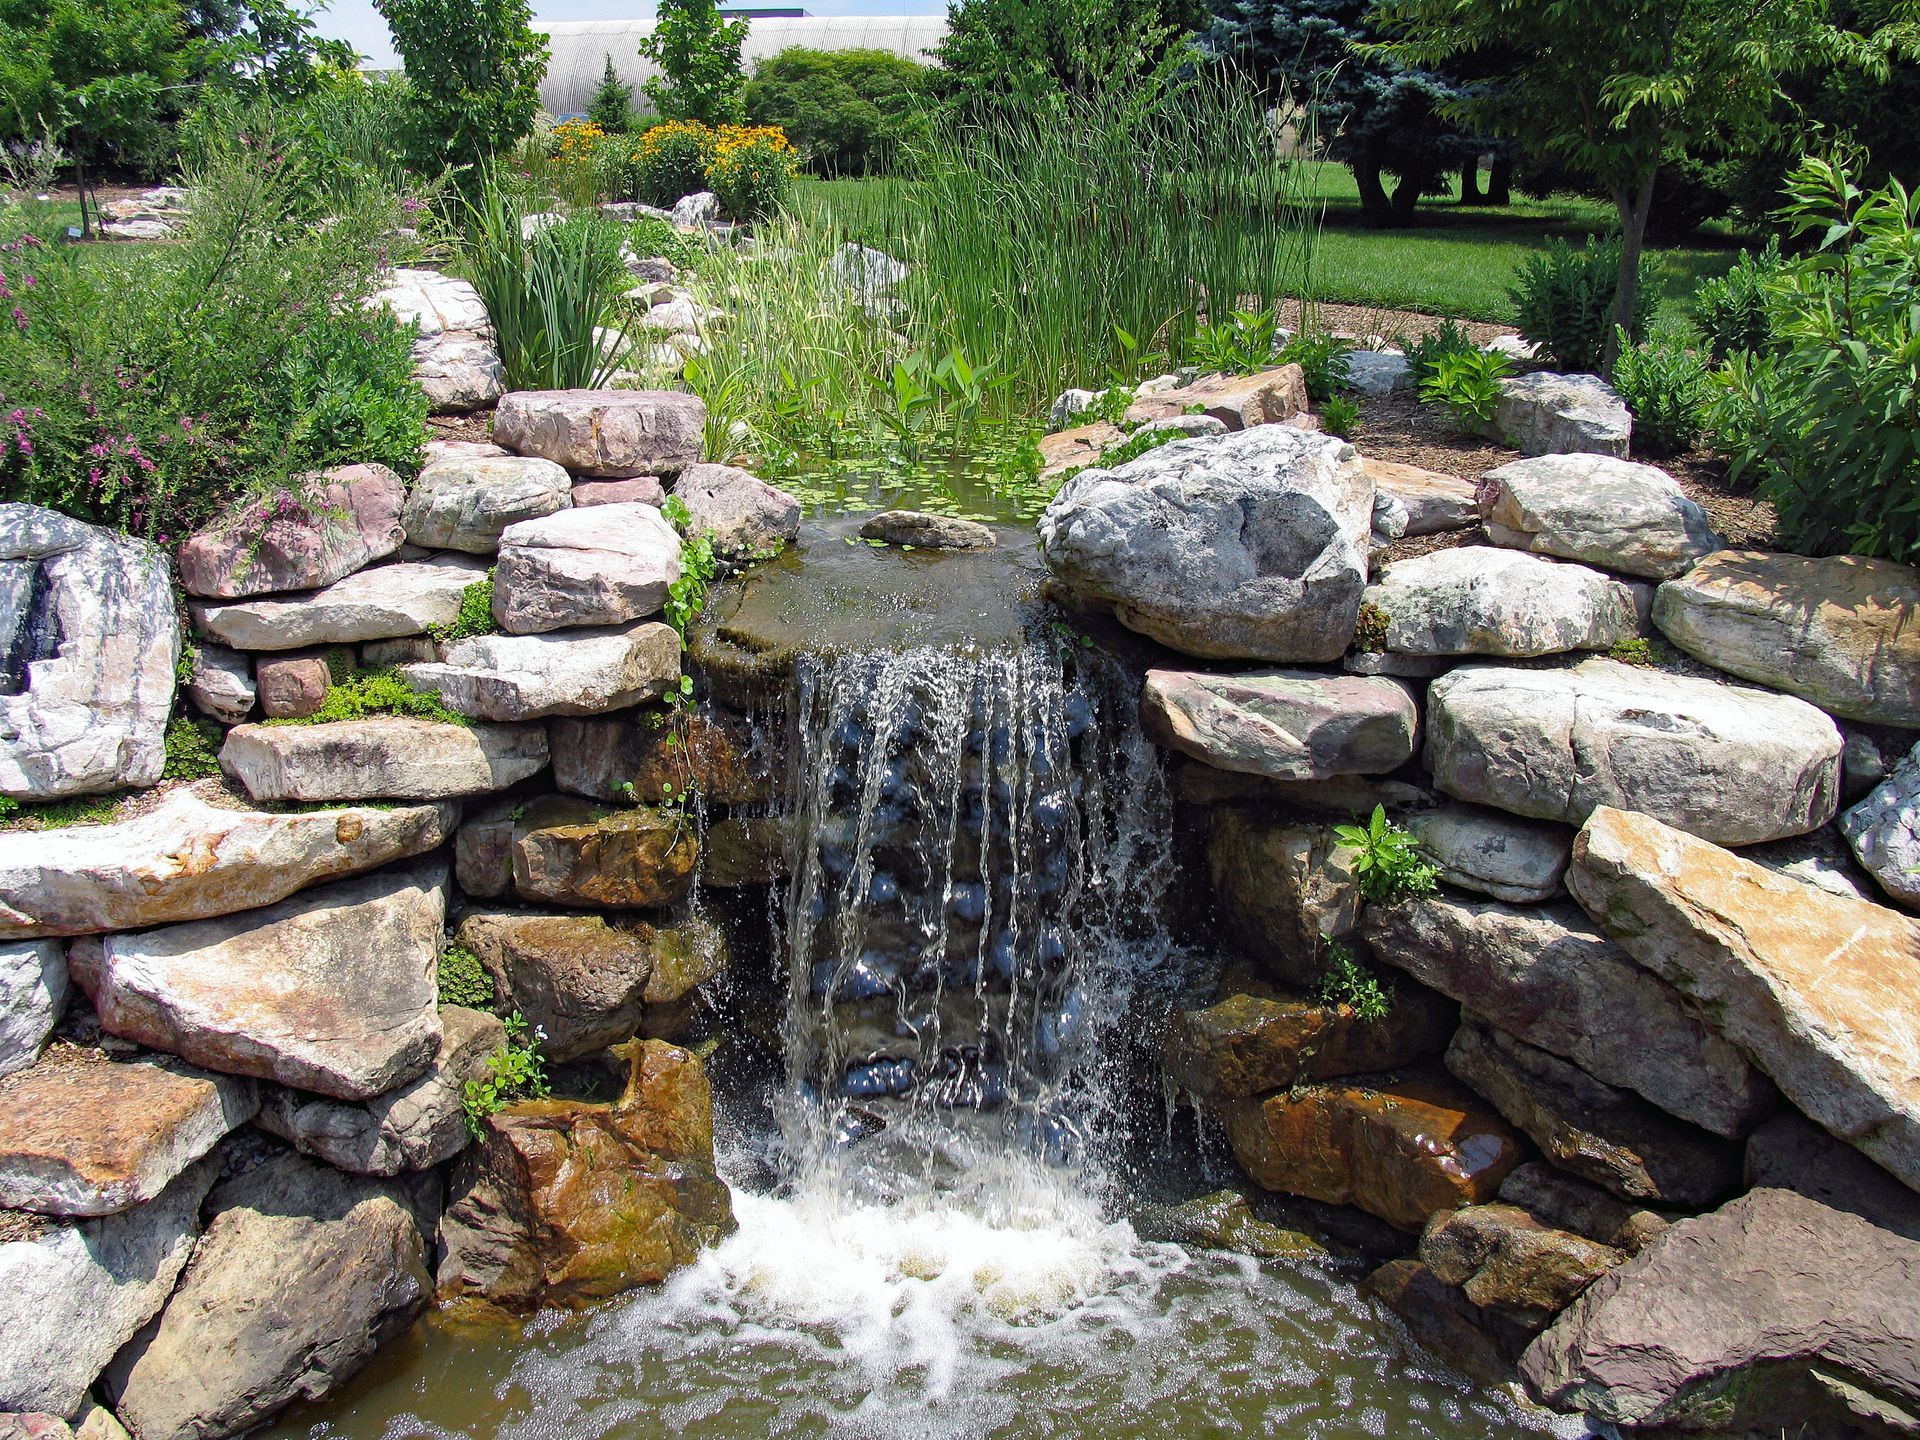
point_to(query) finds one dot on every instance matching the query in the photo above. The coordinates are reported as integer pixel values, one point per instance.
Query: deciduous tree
(698, 52)
(473, 75)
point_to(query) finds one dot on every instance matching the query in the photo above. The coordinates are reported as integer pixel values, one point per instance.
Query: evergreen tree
(612, 105)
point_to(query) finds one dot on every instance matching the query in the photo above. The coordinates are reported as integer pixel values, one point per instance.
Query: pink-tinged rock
(635, 490)
(1237, 401)
(743, 514)
(1288, 724)
(604, 432)
(312, 533)
(291, 687)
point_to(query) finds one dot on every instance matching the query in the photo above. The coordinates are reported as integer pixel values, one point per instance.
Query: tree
(473, 75)
(847, 111)
(1023, 53)
(1614, 88)
(698, 52)
(612, 105)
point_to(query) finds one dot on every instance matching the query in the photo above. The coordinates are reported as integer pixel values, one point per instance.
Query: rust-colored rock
(572, 853)
(712, 753)
(1237, 401)
(1283, 890)
(1074, 449)
(1509, 1264)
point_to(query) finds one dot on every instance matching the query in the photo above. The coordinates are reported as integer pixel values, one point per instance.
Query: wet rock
(564, 672)
(1248, 1044)
(91, 1137)
(1222, 1221)
(303, 1273)
(386, 757)
(568, 852)
(319, 529)
(1401, 1150)
(1727, 763)
(293, 687)
(1557, 1199)
(1443, 1319)
(1555, 981)
(744, 850)
(1473, 600)
(188, 860)
(88, 644)
(1345, 795)
(1289, 724)
(711, 752)
(1519, 861)
(1509, 1264)
(413, 1127)
(605, 565)
(1822, 992)
(1239, 402)
(464, 504)
(1246, 546)
(1546, 413)
(928, 532)
(454, 358)
(1616, 514)
(1283, 892)
(744, 515)
(33, 996)
(221, 683)
(1884, 831)
(332, 990)
(407, 598)
(604, 432)
(71, 1297)
(565, 1202)
(1769, 1313)
(633, 490)
(1434, 502)
(1591, 1129)
(1837, 631)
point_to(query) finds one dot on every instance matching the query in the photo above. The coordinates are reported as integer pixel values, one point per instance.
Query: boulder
(71, 1296)
(744, 515)
(1728, 763)
(700, 208)
(606, 565)
(1519, 861)
(1509, 1264)
(922, 531)
(1770, 1313)
(188, 860)
(1473, 600)
(1400, 1150)
(633, 490)
(464, 504)
(408, 598)
(1068, 404)
(1546, 413)
(1790, 1152)
(1442, 1319)
(293, 687)
(483, 853)
(33, 996)
(568, 852)
(1245, 546)
(91, 1137)
(303, 1273)
(1435, 503)
(1819, 991)
(871, 275)
(1378, 373)
(1289, 724)
(1346, 796)
(454, 358)
(605, 432)
(89, 641)
(565, 672)
(317, 530)
(743, 850)
(1838, 631)
(1612, 513)
(332, 990)
(413, 1127)
(712, 752)
(383, 758)
(221, 683)
(1591, 1129)
(564, 1202)
(1557, 1199)
(1077, 448)
(1884, 831)
(1239, 402)
(1549, 977)
(1283, 891)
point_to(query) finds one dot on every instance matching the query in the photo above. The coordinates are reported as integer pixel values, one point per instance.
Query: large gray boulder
(72, 1295)
(1548, 976)
(1839, 631)
(319, 529)
(605, 432)
(1519, 861)
(1546, 413)
(89, 641)
(1818, 990)
(1473, 600)
(378, 604)
(1772, 1313)
(744, 515)
(564, 672)
(331, 991)
(1728, 763)
(1612, 513)
(464, 503)
(33, 996)
(1884, 831)
(388, 757)
(1251, 545)
(454, 354)
(303, 1273)
(188, 860)
(601, 565)
(1289, 724)
(413, 1127)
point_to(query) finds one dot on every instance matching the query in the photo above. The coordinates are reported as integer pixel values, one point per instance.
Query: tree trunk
(1406, 195)
(1500, 181)
(1375, 208)
(1632, 206)
(80, 185)
(1470, 192)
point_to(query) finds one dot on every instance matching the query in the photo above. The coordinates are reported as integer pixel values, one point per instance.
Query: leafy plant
(1339, 415)
(751, 174)
(1370, 631)
(1564, 300)
(848, 112)
(1241, 343)
(1731, 311)
(651, 236)
(1424, 355)
(1467, 383)
(473, 77)
(1637, 650)
(367, 693)
(192, 749)
(474, 617)
(698, 51)
(1322, 358)
(1387, 861)
(687, 596)
(463, 980)
(1666, 387)
(671, 160)
(515, 1071)
(1347, 982)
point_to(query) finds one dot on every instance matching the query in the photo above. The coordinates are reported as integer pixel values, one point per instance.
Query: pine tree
(612, 105)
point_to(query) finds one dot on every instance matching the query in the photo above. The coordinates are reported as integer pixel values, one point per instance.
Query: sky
(356, 22)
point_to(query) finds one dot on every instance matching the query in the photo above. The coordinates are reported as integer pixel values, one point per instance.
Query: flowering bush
(671, 160)
(752, 170)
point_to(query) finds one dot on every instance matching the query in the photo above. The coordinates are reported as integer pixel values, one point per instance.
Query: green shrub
(671, 160)
(1732, 310)
(1241, 343)
(849, 112)
(1347, 982)
(367, 693)
(611, 107)
(1827, 421)
(474, 617)
(752, 171)
(1565, 301)
(1666, 387)
(649, 236)
(192, 749)
(1339, 415)
(1322, 358)
(1387, 861)
(514, 1071)
(463, 980)
(1467, 383)
(1424, 354)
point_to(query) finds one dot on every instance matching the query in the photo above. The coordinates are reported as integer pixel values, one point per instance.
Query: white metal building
(579, 48)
